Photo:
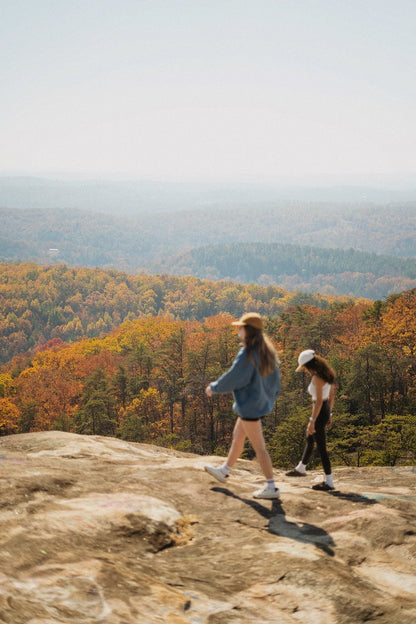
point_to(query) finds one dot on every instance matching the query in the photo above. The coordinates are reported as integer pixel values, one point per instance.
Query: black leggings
(320, 438)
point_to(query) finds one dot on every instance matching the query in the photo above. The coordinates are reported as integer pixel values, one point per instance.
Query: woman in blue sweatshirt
(254, 380)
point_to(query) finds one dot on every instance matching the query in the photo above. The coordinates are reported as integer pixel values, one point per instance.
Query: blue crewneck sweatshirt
(254, 395)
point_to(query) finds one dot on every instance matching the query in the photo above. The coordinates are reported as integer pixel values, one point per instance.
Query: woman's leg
(308, 450)
(254, 432)
(320, 439)
(237, 444)
(236, 448)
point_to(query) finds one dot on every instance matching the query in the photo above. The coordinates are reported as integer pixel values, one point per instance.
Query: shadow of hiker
(352, 497)
(278, 525)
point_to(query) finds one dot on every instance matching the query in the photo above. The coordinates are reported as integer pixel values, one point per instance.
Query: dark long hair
(320, 367)
(257, 342)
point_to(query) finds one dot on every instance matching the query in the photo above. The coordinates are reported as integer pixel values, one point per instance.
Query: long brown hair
(257, 342)
(320, 367)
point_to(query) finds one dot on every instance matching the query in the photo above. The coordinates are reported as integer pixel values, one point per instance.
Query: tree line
(154, 241)
(38, 303)
(144, 381)
(295, 267)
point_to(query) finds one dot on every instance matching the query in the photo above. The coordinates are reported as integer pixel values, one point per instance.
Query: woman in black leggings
(322, 391)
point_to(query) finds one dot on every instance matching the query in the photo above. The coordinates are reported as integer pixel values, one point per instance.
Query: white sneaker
(267, 493)
(217, 473)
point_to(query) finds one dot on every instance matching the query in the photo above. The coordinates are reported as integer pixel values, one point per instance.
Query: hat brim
(246, 324)
(299, 368)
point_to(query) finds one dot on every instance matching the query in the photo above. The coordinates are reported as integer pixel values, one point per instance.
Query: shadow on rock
(279, 525)
(353, 498)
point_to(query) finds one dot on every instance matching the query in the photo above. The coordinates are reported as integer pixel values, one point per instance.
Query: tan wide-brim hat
(250, 318)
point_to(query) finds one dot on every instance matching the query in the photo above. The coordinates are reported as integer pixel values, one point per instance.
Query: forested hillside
(38, 304)
(145, 380)
(310, 269)
(148, 242)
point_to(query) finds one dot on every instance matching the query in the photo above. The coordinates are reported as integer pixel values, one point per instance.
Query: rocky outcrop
(100, 531)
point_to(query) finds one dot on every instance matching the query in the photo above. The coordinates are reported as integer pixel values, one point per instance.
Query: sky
(264, 91)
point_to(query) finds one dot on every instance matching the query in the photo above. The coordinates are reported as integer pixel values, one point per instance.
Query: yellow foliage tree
(9, 417)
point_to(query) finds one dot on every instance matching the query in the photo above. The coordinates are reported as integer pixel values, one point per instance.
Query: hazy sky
(218, 90)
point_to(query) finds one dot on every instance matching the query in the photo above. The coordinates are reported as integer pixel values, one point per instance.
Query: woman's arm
(332, 392)
(238, 376)
(332, 397)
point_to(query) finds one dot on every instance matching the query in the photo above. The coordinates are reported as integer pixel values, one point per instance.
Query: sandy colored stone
(100, 531)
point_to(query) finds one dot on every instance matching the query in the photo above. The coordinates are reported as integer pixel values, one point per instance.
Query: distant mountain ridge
(134, 197)
(294, 267)
(153, 241)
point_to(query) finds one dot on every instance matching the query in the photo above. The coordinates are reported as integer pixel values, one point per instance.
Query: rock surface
(100, 531)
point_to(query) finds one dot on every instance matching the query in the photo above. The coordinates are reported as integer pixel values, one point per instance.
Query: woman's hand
(208, 391)
(310, 429)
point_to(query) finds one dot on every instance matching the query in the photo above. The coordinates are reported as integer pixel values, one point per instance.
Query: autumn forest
(102, 352)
